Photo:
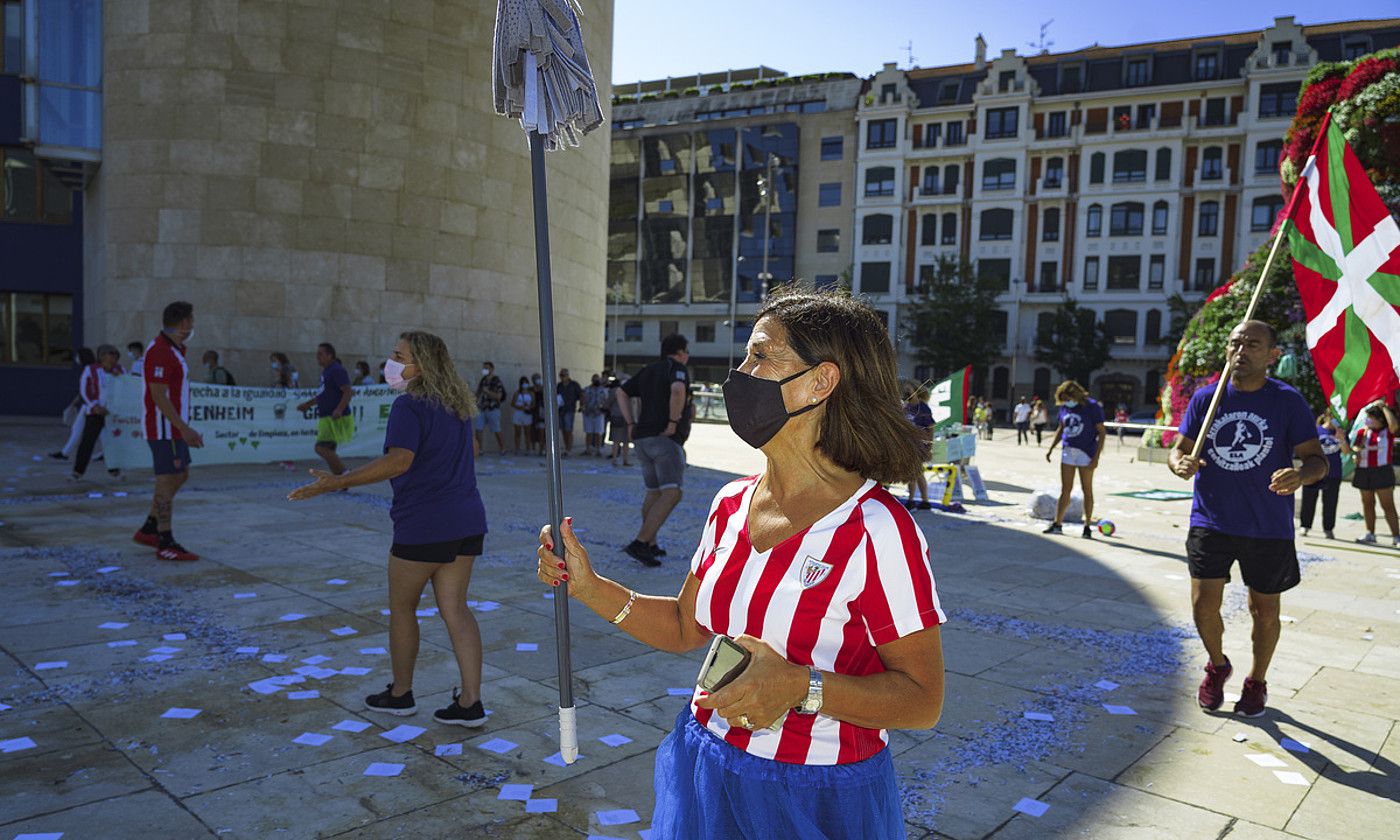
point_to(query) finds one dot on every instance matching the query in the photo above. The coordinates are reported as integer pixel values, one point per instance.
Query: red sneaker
(1253, 698)
(1211, 694)
(143, 538)
(175, 551)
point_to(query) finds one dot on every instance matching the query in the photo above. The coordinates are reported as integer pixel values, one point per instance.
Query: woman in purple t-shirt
(1082, 433)
(439, 520)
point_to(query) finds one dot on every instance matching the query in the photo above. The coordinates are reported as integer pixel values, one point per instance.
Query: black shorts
(1267, 566)
(440, 552)
(169, 457)
(1373, 478)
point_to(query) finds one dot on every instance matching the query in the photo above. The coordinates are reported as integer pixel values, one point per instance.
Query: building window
(1215, 111)
(1154, 327)
(12, 38)
(930, 186)
(950, 179)
(1164, 164)
(1121, 325)
(1145, 115)
(1279, 100)
(928, 229)
(1156, 272)
(828, 241)
(1123, 118)
(29, 192)
(632, 331)
(1125, 219)
(1159, 218)
(1210, 219)
(1283, 53)
(880, 134)
(36, 329)
(1266, 156)
(950, 229)
(1130, 166)
(1091, 274)
(1124, 273)
(824, 282)
(1005, 80)
(1049, 276)
(704, 332)
(1263, 213)
(1040, 380)
(875, 278)
(1212, 166)
(743, 330)
(932, 131)
(1001, 377)
(1093, 220)
(1352, 50)
(1069, 79)
(889, 92)
(1054, 172)
(670, 328)
(1001, 123)
(877, 229)
(999, 174)
(1207, 66)
(833, 147)
(996, 273)
(1096, 166)
(1050, 227)
(879, 181)
(948, 93)
(1205, 274)
(829, 195)
(995, 224)
(956, 137)
(1137, 72)
(1055, 125)
(1152, 387)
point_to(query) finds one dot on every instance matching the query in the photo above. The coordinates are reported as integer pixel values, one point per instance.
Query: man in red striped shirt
(165, 424)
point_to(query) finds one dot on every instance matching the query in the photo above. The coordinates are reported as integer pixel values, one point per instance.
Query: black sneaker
(1088, 532)
(925, 505)
(656, 550)
(1053, 529)
(456, 715)
(58, 456)
(909, 504)
(641, 552)
(386, 702)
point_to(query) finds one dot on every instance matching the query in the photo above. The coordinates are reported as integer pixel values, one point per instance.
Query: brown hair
(863, 427)
(1070, 390)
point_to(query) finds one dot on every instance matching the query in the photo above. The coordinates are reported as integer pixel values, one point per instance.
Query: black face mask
(755, 406)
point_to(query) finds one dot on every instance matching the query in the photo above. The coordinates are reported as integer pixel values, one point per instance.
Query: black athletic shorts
(169, 457)
(1267, 566)
(1373, 478)
(440, 552)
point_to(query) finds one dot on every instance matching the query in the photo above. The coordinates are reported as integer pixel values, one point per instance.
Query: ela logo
(1238, 441)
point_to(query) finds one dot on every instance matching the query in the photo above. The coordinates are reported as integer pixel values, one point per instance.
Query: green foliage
(952, 320)
(1076, 344)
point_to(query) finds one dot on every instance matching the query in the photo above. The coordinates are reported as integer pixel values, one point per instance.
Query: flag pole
(568, 729)
(1258, 290)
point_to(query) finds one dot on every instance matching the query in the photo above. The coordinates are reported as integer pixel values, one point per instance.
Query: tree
(954, 318)
(1076, 343)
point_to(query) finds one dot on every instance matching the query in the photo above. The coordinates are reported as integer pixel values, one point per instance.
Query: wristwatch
(813, 703)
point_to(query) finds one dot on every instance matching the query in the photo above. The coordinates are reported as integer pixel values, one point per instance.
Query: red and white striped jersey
(858, 578)
(164, 364)
(1373, 447)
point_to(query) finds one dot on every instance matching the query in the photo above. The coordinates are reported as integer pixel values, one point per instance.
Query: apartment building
(723, 185)
(1117, 175)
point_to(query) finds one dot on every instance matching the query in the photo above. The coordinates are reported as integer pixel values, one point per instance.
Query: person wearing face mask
(1374, 476)
(490, 393)
(166, 425)
(215, 373)
(281, 370)
(595, 405)
(660, 433)
(523, 405)
(135, 350)
(362, 374)
(1082, 433)
(817, 572)
(1242, 506)
(439, 519)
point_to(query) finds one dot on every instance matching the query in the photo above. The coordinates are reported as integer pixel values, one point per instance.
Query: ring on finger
(745, 722)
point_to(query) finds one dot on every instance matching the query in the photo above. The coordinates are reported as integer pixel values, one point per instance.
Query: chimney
(980, 56)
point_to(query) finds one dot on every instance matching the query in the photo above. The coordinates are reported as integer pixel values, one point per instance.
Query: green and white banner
(243, 425)
(948, 400)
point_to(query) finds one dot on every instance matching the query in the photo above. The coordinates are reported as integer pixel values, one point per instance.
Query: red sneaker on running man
(175, 551)
(1253, 698)
(1211, 694)
(150, 538)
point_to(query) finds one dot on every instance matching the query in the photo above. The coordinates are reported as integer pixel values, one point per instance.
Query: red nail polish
(562, 566)
(569, 519)
(566, 577)
(554, 583)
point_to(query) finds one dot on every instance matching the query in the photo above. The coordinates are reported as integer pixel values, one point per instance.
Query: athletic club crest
(814, 572)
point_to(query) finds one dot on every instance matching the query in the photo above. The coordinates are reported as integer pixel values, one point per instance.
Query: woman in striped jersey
(1372, 445)
(818, 572)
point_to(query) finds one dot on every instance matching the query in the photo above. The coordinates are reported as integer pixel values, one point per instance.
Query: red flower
(1225, 287)
(1318, 97)
(1363, 75)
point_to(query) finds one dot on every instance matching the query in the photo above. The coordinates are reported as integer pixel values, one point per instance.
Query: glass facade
(67, 96)
(682, 203)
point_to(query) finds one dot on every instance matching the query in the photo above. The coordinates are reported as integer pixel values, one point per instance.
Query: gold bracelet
(627, 608)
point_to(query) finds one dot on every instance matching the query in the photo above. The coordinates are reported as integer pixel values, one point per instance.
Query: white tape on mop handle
(568, 735)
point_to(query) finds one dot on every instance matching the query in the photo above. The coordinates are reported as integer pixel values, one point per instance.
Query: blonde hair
(437, 380)
(1070, 390)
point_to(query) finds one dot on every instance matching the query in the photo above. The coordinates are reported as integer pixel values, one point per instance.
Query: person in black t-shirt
(659, 433)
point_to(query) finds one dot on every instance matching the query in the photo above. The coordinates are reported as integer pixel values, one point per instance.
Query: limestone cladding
(311, 171)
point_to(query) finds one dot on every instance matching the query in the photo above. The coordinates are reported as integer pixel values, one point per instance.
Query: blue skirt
(709, 790)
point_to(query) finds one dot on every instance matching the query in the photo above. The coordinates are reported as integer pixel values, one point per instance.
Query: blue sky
(653, 39)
